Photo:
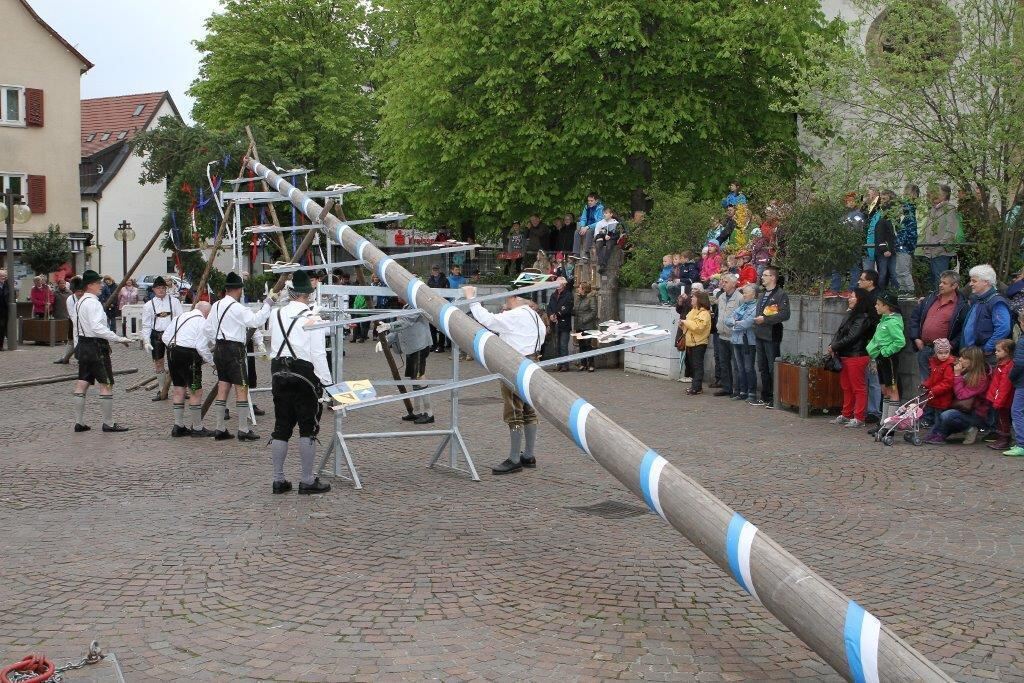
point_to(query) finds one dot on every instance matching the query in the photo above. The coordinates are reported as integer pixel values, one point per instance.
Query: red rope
(39, 665)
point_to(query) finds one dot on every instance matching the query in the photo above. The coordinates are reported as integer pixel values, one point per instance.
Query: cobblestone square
(175, 556)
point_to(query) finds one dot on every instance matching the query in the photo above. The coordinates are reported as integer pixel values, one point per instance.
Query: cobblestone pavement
(175, 556)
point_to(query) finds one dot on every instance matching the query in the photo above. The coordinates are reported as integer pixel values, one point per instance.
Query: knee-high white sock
(425, 404)
(107, 406)
(530, 432)
(80, 408)
(179, 414)
(218, 409)
(307, 452)
(197, 416)
(243, 415)
(516, 434)
(278, 452)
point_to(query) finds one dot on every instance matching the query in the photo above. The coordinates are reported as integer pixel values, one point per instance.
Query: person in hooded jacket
(850, 345)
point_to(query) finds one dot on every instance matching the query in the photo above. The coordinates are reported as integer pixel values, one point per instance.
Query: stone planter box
(806, 389)
(50, 332)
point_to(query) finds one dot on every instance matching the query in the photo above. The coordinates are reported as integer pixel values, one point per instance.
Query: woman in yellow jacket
(697, 330)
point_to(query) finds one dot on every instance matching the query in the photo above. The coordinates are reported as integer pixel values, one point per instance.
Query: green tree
(934, 94)
(47, 251)
(295, 70)
(498, 107)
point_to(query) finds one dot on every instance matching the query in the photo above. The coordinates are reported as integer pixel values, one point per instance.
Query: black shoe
(222, 435)
(180, 431)
(202, 432)
(257, 411)
(424, 419)
(714, 385)
(114, 428)
(694, 392)
(82, 428)
(873, 430)
(248, 436)
(157, 398)
(872, 419)
(59, 361)
(411, 417)
(722, 392)
(529, 463)
(281, 487)
(316, 487)
(507, 467)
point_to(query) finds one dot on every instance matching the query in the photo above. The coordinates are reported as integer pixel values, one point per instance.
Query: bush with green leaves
(47, 251)
(814, 242)
(677, 223)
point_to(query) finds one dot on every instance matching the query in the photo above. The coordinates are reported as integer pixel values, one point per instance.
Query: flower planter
(50, 332)
(806, 388)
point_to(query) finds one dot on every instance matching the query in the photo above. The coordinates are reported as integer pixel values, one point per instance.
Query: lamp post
(124, 234)
(11, 211)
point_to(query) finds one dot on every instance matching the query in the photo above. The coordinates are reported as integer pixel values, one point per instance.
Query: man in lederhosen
(411, 336)
(156, 316)
(522, 328)
(187, 349)
(299, 372)
(72, 305)
(94, 337)
(226, 327)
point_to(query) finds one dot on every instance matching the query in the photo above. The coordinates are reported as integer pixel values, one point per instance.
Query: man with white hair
(188, 348)
(989, 319)
(728, 300)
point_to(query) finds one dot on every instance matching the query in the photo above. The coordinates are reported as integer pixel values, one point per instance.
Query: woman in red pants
(850, 345)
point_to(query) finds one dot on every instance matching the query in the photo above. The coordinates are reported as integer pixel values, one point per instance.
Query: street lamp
(12, 211)
(124, 234)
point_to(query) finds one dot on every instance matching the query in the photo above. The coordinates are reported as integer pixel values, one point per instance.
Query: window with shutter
(37, 193)
(34, 107)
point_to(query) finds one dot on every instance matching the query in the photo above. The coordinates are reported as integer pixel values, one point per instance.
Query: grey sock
(243, 415)
(278, 451)
(516, 434)
(197, 416)
(307, 452)
(218, 409)
(531, 440)
(107, 406)
(80, 409)
(160, 376)
(425, 404)
(179, 414)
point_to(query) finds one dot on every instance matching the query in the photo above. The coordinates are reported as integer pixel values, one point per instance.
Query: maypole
(845, 635)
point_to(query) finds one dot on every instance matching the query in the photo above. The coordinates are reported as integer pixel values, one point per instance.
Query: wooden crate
(806, 389)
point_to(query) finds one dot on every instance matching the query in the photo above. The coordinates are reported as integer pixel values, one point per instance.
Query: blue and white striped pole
(838, 629)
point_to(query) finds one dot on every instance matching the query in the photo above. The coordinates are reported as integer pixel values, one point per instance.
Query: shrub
(814, 242)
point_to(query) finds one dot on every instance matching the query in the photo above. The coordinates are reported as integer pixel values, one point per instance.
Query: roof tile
(114, 115)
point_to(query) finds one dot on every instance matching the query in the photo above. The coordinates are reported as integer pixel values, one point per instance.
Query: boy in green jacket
(886, 344)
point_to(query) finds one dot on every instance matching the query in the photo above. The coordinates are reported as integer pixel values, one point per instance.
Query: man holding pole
(94, 337)
(187, 349)
(520, 327)
(156, 318)
(226, 327)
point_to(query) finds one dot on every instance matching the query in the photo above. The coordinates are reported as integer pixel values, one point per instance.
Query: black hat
(159, 282)
(233, 281)
(890, 299)
(301, 283)
(319, 274)
(89, 277)
(76, 284)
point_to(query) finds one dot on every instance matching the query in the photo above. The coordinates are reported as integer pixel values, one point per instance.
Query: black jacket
(852, 337)
(4, 293)
(771, 329)
(560, 304)
(885, 236)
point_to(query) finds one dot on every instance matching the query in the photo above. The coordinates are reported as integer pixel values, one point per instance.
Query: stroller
(906, 418)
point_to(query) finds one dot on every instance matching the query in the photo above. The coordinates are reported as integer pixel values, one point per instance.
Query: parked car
(175, 284)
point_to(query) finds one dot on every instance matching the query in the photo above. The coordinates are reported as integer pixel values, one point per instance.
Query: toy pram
(907, 419)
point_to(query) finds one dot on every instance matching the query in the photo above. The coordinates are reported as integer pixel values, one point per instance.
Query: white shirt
(157, 314)
(186, 331)
(91, 319)
(237, 319)
(604, 225)
(521, 328)
(72, 304)
(309, 345)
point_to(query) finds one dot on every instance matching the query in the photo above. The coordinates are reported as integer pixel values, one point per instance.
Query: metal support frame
(360, 262)
(852, 640)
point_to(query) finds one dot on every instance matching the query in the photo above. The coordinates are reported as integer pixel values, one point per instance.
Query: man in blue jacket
(593, 211)
(989, 319)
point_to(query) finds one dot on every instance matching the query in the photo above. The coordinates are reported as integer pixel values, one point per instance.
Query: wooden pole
(390, 358)
(53, 379)
(850, 639)
(225, 220)
(254, 153)
(131, 271)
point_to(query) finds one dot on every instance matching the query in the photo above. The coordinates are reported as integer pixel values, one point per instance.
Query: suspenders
(178, 326)
(221, 321)
(287, 333)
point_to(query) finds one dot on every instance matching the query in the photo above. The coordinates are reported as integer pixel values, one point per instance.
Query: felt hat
(233, 281)
(89, 277)
(76, 284)
(301, 283)
(159, 282)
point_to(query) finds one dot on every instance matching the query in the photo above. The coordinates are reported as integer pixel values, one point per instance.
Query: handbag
(680, 340)
(964, 405)
(833, 363)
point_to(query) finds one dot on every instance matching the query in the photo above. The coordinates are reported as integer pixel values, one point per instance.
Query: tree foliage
(814, 243)
(934, 93)
(47, 251)
(295, 69)
(498, 107)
